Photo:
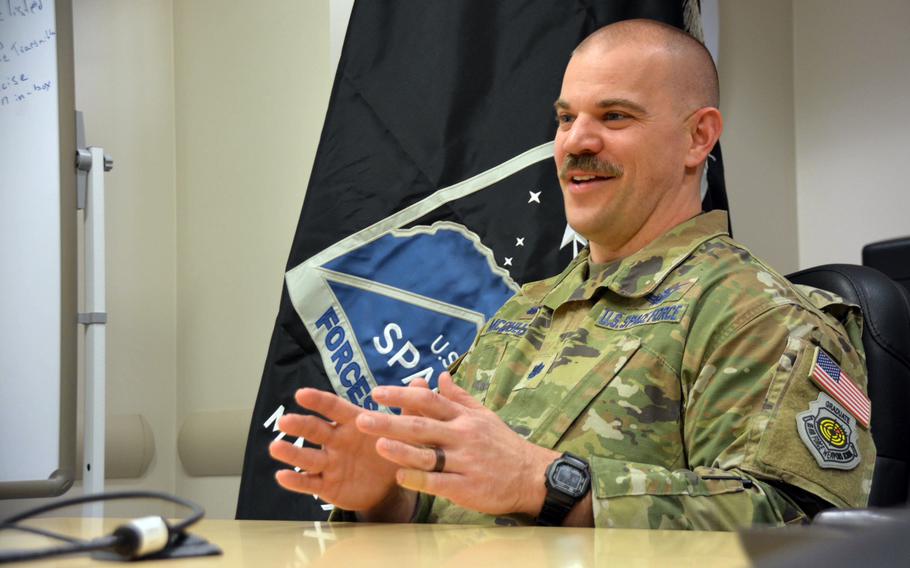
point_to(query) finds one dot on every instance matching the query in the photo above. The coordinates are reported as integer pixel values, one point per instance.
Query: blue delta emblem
(401, 306)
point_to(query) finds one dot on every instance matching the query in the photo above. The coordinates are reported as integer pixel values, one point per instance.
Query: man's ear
(705, 126)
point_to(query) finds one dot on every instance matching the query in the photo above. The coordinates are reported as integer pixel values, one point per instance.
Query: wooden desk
(299, 544)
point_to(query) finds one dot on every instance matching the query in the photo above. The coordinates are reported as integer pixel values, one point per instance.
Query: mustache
(589, 163)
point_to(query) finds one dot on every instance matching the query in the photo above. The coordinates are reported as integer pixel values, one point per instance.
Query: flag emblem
(831, 378)
(399, 307)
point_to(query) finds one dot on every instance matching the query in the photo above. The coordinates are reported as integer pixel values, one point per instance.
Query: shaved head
(691, 74)
(637, 118)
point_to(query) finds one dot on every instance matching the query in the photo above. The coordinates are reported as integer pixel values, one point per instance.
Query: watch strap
(555, 510)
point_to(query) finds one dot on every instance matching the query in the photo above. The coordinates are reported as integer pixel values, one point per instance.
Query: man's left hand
(488, 467)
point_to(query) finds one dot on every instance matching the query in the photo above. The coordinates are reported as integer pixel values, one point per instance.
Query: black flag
(432, 198)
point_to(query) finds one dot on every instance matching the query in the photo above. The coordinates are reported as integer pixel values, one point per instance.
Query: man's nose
(584, 136)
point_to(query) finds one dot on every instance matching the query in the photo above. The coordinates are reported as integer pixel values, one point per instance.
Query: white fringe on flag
(692, 17)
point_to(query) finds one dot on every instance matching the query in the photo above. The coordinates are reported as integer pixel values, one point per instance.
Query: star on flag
(573, 238)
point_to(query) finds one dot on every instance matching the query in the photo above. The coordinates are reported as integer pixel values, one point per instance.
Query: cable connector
(141, 537)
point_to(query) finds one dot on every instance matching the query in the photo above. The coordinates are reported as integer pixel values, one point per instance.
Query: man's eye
(563, 118)
(615, 116)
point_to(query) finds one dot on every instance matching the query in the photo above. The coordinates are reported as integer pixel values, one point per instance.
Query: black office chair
(891, 257)
(886, 339)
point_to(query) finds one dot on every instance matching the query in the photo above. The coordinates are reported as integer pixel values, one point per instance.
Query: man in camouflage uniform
(687, 374)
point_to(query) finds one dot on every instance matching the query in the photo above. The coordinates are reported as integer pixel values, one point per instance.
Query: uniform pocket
(637, 479)
(575, 377)
(536, 372)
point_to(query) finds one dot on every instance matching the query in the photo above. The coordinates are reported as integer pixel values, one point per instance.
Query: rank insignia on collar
(672, 292)
(829, 431)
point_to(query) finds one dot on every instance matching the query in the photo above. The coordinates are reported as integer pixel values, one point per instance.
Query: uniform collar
(640, 273)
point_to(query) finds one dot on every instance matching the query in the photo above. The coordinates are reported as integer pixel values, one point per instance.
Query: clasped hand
(370, 461)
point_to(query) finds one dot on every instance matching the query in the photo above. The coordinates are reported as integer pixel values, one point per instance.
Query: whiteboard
(36, 284)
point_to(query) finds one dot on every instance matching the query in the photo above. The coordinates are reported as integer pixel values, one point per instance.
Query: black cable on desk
(130, 540)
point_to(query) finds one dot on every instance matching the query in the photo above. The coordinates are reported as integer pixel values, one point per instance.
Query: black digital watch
(568, 481)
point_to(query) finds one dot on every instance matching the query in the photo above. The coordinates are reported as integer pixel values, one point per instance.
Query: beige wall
(852, 69)
(252, 85)
(814, 93)
(756, 80)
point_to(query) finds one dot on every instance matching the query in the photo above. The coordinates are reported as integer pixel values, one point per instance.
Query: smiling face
(623, 148)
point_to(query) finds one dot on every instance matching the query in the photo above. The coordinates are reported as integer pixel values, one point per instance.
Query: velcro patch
(506, 327)
(830, 433)
(614, 319)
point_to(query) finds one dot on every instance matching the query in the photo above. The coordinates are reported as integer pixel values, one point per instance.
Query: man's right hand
(346, 470)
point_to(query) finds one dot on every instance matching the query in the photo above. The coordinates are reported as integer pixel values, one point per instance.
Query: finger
(417, 401)
(311, 428)
(310, 460)
(327, 404)
(418, 384)
(406, 455)
(447, 485)
(411, 429)
(299, 482)
(449, 390)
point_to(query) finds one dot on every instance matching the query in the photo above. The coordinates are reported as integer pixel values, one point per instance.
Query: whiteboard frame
(61, 479)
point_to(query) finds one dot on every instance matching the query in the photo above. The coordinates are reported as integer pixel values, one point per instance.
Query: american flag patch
(829, 376)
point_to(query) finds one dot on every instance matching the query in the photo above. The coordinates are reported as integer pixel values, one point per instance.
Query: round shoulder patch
(830, 433)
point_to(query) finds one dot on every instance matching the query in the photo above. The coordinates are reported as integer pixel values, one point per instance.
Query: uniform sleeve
(748, 401)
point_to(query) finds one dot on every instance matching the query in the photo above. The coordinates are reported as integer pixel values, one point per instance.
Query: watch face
(568, 480)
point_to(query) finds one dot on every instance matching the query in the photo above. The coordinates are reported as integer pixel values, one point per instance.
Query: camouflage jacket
(684, 375)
